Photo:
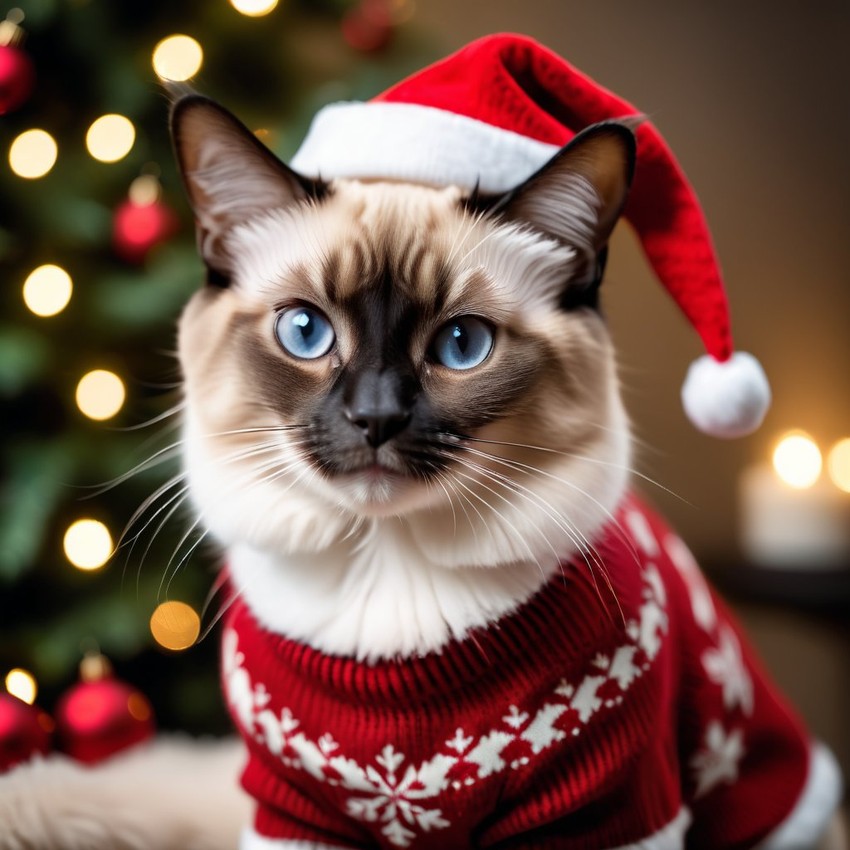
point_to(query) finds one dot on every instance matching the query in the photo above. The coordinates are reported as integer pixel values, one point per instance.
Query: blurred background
(97, 256)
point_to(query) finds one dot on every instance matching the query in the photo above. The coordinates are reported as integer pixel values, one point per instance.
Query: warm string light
(175, 625)
(21, 683)
(88, 544)
(100, 394)
(254, 8)
(110, 138)
(33, 153)
(177, 58)
(145, 190)
(47, 290)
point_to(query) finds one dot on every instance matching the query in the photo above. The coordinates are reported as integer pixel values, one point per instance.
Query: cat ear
(576, 197)
(230, 176)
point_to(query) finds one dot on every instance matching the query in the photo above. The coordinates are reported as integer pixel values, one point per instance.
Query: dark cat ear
(230, 176)
(576, 197)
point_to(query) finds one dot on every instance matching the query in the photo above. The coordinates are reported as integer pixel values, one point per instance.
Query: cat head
(369, 349)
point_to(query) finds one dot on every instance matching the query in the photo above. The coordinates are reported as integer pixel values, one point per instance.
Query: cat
(403, 426)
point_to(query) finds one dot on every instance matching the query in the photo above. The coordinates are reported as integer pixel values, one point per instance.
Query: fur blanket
(172, 794)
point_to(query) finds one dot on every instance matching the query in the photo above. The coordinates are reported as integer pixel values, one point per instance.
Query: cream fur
(381, 567)
(174, 794)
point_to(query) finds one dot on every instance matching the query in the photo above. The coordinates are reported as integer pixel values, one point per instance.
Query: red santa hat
(495, 112)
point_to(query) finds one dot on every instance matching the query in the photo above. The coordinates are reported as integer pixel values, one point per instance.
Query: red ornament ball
(101, 716)
(17, 77)
(369, 26)
(25, 731)
(137, 228)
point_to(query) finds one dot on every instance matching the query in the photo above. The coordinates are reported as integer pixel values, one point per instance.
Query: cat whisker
(584, 458)
(235, 595)
(164, 454)
(573, 486)
(151, 500)
(160, 417)
(587, 550)
(502, 517)
(185, 559)
(464, 499)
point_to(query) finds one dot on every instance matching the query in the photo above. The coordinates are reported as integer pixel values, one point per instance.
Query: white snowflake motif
(393, 799)
(460, 741)
(725, 667)
(515, 718)
(718, 761)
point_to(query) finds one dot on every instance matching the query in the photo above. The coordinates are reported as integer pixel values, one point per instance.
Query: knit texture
(618, 698)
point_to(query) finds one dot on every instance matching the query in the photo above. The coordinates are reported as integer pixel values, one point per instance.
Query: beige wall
(753, 98)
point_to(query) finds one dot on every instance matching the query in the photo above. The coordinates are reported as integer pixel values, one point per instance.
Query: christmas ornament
(17, 73)
(25, 731)
(369, 26)
(100, 715)
(491, 115)
(142, 221)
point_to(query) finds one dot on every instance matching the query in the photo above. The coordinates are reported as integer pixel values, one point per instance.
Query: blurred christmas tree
(97, 250)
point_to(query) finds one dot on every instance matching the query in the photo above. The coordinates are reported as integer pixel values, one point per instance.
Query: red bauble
(137, 227)
(17, 77)
(25, 731)
(101, 716)
(369, 26)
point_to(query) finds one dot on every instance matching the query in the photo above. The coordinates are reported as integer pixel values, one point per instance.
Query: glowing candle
(792, 515)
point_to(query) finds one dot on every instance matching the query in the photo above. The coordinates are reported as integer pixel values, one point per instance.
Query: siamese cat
(403, 426)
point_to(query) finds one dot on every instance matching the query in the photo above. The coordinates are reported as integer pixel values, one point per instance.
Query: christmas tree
(97, 249)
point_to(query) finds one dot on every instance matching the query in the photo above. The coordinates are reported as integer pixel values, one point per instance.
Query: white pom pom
(726, 399)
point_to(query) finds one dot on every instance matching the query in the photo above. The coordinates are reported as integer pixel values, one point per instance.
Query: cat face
(366, 350)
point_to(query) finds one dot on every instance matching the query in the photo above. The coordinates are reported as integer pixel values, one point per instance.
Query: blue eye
(304, 332)
(463, 343)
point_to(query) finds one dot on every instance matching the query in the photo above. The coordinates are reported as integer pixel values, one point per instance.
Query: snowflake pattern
(719, 759)
(398, 795)
(725, 667)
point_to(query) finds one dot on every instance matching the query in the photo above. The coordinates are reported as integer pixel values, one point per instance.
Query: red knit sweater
(618, 704)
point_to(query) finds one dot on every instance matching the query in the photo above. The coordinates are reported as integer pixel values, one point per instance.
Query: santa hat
(491, 115)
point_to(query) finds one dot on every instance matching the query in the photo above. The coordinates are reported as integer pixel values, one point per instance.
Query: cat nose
(379, 427)
(379, 406)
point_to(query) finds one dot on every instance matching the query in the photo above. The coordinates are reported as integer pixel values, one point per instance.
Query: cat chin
(377, 493)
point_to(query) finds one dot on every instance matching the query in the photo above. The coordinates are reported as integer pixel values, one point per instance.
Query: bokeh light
(797, 460)
(254, 8)
(100, 394)
(47, 290)
(175, 625)
(838, 464)
(177, 58)
(88, 544)
(21, 684)
(33, 153)
(110, 138)
(144, 190)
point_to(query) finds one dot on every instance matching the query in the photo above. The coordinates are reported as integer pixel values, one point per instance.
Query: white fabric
(728, 399)
(421, 144)
(814, 809)
(670, 837)
(252, 841)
